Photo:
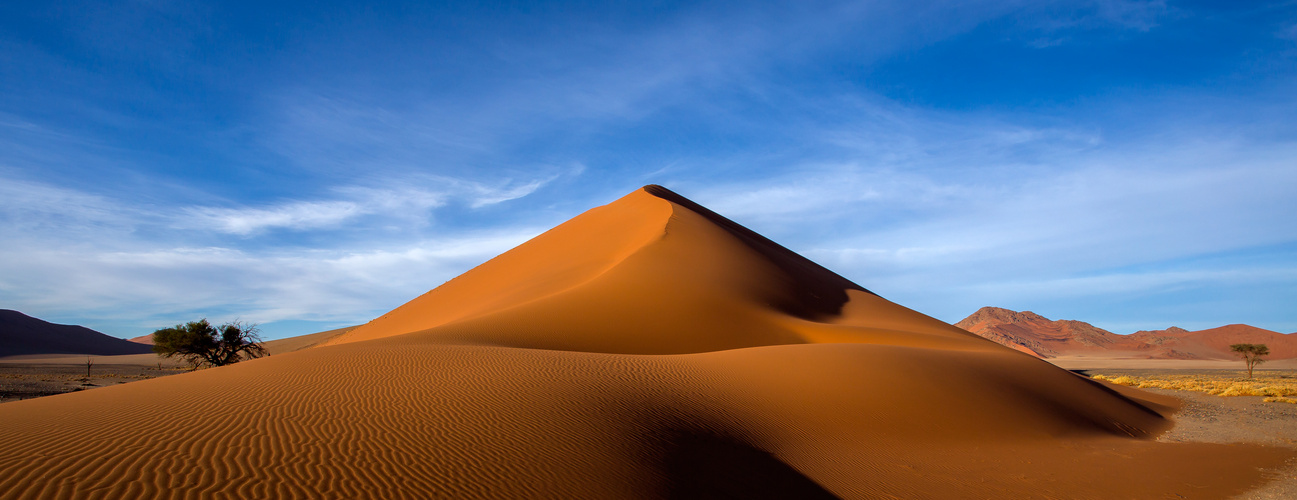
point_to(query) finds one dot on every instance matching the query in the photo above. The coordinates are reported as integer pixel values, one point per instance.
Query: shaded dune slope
(21, 334)
(645, 349)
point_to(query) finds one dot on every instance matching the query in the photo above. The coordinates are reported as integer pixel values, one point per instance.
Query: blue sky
(312, 165)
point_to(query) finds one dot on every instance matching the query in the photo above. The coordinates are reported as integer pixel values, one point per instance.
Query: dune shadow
(818, 292)
(1118, 395)
(710, 466)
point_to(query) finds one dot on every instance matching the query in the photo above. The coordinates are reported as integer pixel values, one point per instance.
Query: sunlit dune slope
(655, 273)
(646, 349)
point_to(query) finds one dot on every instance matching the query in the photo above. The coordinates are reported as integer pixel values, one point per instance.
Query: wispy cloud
(1052, 23)
(950, 212)
(407, 203)
(338, 285)
(296, 216)
(1127, 283)
(58, 255)
(493, 196)
(30, 208)
(377, 156)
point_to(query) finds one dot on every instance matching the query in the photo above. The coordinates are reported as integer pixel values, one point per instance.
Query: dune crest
(649, 348)
(559, 259)
(654, 273)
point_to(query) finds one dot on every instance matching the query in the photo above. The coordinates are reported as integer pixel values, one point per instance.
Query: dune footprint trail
(648, 348)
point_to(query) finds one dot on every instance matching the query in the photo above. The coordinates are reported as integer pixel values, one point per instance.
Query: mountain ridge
(1037, 335)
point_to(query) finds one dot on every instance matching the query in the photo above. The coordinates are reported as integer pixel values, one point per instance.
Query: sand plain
(645, 349)
(39, 375)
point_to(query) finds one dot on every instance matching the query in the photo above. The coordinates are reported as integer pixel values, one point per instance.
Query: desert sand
(38, 375)
(648, 348)
(1117, 360)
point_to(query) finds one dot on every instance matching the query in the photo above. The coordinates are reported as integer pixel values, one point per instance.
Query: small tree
(1251, 354)
(198, 342)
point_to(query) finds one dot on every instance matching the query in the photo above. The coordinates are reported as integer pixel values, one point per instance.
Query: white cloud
(163, 285)
(882, 192)
(408, 203)
(1083, 217)
(36, 206)
(487, 196)
(950, 212)
(294, 216)
(119, 262)
(1127, 283)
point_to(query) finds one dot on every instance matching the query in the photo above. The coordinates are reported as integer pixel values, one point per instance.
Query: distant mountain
(1034, 334)
(1215, 342)
(23, 334)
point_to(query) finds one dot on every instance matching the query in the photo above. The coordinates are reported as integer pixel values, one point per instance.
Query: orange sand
(645, 349)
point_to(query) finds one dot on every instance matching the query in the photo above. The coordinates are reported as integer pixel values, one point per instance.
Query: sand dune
(681, 279)
(645, 349)
(142, 339)
(21, 335)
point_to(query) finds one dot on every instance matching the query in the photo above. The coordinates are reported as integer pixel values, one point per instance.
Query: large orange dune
(648, 348)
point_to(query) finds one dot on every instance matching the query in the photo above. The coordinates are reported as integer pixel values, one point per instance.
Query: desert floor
(33, 377)
(1205, 418)
(1201, 418)
(27, 377)
(1240, 419)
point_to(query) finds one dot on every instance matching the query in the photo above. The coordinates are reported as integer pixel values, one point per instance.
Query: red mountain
(1034, 334)
(1214, 342)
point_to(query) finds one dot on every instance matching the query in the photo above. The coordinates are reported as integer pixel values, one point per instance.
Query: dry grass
(1275, 387)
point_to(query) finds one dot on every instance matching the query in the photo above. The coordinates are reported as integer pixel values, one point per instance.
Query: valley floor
(1206, 418)
(27, 380)
(1201, 418)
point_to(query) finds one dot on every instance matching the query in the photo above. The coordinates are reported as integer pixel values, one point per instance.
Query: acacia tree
(198, 342)
(1251, 354)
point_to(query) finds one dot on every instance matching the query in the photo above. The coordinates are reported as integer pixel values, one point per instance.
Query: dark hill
(23, 334)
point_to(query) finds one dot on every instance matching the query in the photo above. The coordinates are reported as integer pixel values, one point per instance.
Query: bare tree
(1251, 354)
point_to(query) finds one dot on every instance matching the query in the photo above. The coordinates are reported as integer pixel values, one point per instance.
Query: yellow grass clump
(1275, 388)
